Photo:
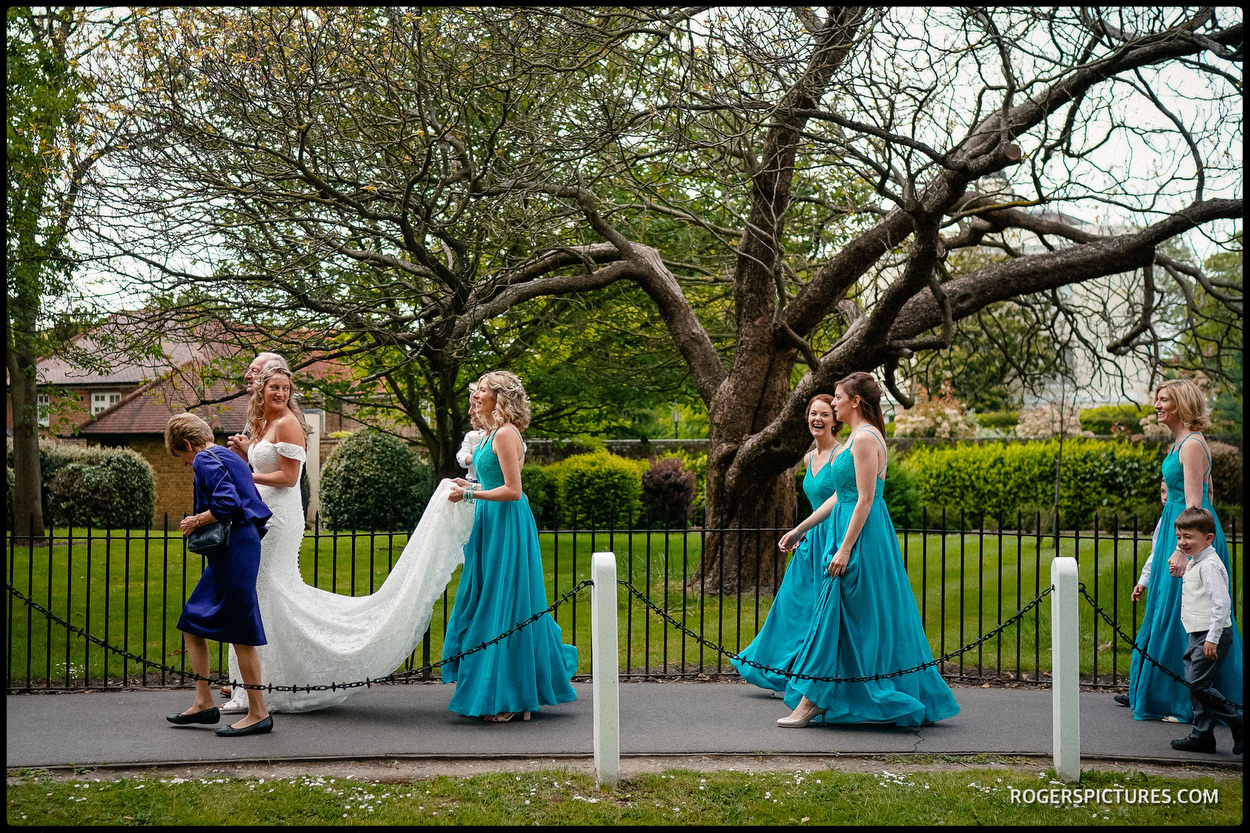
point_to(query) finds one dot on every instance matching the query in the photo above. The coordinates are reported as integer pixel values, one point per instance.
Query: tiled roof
(146, 410)
(172, 382)
(176, 350)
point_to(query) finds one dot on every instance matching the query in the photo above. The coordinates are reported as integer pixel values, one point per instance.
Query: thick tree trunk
(750, 491)
(451, 420)
(27, 499)
(743, 524)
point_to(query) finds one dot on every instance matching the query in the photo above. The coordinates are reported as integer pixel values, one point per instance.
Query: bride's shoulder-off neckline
(285, 449)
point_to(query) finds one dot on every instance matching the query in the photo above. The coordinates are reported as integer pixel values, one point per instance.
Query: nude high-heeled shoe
(505, 717)
(799, 721)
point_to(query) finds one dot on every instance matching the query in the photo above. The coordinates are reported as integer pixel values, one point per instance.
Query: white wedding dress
(316, 637)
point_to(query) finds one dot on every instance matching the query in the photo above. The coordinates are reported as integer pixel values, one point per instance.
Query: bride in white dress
(316, 637)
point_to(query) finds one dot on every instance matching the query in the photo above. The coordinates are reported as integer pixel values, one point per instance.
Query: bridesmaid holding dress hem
(865, 621)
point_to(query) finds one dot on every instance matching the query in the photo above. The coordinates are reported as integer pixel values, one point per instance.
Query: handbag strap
(195, 490)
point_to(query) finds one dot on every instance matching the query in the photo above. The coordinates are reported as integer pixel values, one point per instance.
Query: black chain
(794, 675)
(404, 677)
(1206, 693)
(411, 676)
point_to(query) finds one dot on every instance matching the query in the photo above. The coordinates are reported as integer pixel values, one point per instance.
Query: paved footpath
(658, 719)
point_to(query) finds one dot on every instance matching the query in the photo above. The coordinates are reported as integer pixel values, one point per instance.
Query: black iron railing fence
(126, 588)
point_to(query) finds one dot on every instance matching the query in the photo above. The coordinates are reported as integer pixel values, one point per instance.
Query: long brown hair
(869, 392)
(256, 422)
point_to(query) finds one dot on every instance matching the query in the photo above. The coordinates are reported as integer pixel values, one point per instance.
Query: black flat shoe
(1122, 699)
(209, 715)
(260, 727)
(1190, 743)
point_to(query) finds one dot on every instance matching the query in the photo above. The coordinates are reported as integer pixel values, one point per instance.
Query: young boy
(1206, 616)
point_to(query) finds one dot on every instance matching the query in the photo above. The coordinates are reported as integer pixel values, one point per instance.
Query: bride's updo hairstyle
(256, 407)
(869, 392)
(512, 404)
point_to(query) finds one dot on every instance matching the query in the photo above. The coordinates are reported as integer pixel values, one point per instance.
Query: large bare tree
(786, 186)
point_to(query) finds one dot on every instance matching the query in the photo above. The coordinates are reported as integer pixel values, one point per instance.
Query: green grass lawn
(895, 795)
(128, 590)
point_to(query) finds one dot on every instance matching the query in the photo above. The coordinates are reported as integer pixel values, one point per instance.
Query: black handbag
(210, 540)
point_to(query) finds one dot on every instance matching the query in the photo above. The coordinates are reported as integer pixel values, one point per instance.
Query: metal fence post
(605, 669)
(1065, 669)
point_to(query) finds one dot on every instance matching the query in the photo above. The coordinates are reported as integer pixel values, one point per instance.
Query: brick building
(129, 403)
(138, 422)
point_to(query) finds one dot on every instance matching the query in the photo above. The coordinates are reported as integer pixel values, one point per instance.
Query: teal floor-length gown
(501, 584)
(1152, 694)
(786, 626)
(866, 623)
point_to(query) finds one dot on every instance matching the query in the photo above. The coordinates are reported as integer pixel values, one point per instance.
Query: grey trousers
(1209, 704)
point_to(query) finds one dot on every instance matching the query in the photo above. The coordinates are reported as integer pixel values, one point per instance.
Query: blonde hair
(186, 430)
(512, 404)
(1191, 405)
(256, 423)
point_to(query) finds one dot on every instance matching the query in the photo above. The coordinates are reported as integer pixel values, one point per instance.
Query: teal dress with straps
(1152, 694)
(866, 623)
(785, 627)
(501, 585)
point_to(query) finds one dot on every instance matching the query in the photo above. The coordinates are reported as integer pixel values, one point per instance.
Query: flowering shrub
(944, 416)
(1049, 421)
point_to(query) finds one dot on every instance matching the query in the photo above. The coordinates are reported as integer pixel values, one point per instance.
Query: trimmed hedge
(540, 489)
(597, 489)
(997, 480)
(108, 488)
(1227, 472)
(902, 498)
(372, 481)
(1004, 421)
(1107, 420)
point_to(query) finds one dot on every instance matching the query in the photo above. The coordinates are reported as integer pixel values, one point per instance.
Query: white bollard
(1065, 669)
(605, 669)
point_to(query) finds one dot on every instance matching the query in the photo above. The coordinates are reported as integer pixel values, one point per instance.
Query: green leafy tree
(53, 147)
(785, 187)
(1210, 333)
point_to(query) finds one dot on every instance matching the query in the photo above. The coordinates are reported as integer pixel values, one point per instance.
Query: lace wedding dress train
(317, 637)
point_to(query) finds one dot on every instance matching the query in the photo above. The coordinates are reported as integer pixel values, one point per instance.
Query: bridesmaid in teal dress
(1152, 694)
(501, 583)
(865, 622)
(786, 625)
